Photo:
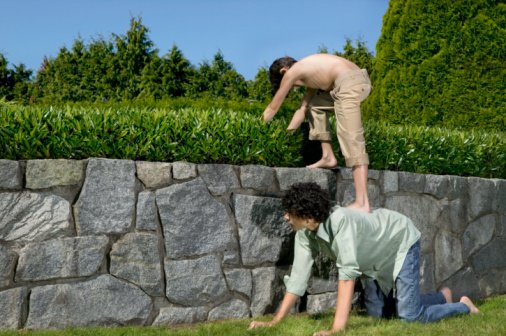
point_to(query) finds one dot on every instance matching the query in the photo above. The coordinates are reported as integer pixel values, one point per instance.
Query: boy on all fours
(381, 247)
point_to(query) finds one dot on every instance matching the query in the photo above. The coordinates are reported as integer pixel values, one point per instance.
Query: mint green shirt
(369, 245)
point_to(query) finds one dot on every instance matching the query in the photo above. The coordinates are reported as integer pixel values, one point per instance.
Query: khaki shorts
(349, 91)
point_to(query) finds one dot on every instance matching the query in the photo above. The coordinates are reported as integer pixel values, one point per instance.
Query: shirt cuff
(294, 287)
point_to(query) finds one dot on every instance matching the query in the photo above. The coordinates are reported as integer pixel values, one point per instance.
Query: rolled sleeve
(348, 273)
(303, 261)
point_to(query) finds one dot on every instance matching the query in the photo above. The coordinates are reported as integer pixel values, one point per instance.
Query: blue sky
(249, 33)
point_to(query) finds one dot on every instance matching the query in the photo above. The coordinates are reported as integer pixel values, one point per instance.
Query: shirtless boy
(332, 83)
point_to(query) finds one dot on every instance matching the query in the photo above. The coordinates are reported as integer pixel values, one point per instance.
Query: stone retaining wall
(117, 242)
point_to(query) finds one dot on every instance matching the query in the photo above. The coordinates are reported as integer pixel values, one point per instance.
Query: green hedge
(228, 136)
(200, 136)
(433, 150)
(441, 63)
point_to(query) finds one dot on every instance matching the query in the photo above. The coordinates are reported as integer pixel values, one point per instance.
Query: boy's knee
(409, 316)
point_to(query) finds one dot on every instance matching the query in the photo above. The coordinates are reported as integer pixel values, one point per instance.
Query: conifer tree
(134, 51)
(441, 63)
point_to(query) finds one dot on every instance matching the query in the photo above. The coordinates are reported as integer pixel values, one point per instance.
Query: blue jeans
(411, 306)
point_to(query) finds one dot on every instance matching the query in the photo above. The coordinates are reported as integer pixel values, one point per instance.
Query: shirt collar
(322, 232)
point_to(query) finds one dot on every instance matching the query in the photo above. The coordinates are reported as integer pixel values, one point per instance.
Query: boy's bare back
(319, 71)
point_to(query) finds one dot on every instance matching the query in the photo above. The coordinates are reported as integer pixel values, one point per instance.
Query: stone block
(320, 303)
(147, 212)
(259, 178)
(42, 174)
(478, 234)
(317, 285)
(61, 258)
(13, 304)
(239, 280)
(136, 258)
(390, 181)
(154, 175)
(481, 196)
(266, 290)
(448, 255)
(500, 196)
(182, 170)
(104, 301)
(7, 263)
(436, 185)
(106, 204)
(457, 187)
(325, 178)
(27, 216)
(262, 230)
(492, 283)
(453, 216)
(12, 177)
(195, 282)
(193, 221)
(492, 256)
(219, 178)
(411, 182)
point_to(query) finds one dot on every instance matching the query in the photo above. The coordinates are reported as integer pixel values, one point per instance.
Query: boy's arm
(288, 302)
(300, 114)
(345, 291)
(296, 283)
(285, 86)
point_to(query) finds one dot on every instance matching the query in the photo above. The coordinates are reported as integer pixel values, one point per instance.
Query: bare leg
(361, 198)
(467, 301)
(447, 293)
(328, 159)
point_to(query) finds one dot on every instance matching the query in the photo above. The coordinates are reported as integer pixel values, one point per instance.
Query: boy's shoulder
(339, 212)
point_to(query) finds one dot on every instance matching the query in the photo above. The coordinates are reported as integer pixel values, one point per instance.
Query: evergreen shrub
(441, 63)
(199, 136)
(232, 137)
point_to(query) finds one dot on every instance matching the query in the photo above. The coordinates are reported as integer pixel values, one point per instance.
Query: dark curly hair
(274, 71)
(307, 200)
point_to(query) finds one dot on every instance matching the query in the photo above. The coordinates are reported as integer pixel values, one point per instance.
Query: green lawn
(491, 321)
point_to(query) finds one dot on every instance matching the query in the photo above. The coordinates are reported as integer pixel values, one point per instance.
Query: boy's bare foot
(467, 301)
(447, 293)
(360, 207)
(329, 163)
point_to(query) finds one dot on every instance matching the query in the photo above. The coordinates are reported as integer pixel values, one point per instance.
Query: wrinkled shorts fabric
(349, 91)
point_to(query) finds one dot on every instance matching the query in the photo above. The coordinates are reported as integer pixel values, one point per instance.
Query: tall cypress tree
(441, 62)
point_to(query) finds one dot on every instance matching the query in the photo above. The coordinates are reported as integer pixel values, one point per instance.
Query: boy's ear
(283, 70)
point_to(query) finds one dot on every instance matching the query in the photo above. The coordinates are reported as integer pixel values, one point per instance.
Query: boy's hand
(260, 324)
(268, 114)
